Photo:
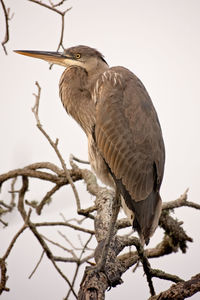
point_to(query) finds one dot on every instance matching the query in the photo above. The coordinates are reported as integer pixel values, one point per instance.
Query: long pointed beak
(51, 57)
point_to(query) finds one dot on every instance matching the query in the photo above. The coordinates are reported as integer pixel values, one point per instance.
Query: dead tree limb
(181, 290)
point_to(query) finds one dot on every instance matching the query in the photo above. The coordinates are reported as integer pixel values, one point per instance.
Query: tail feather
(146, 212)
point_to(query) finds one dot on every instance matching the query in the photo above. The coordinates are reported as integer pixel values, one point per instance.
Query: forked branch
(53, 7)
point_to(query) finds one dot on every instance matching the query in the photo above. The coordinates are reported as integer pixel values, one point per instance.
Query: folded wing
(129, 137)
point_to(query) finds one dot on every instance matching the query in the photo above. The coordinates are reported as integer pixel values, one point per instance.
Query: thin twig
(47, 6)
(79, 160)
(49, 254)
(60, 44)
(58, 4)
(78, 266)
(22, 192)
(180, 202)
(5, 256)
(4, 223)
(53, 8)
(79, 221)
(35, 232)
(12, 202)
(35, 108)
(66, 279)
(85, 247)
(38, 263)
(75, 227)
(12, 243)
(46, 198)
(5, 205)
(54, 145)
(67, 240)
(7, 18)
(60, 246)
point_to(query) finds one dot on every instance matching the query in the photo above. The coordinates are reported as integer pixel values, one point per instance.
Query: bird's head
(83, 56)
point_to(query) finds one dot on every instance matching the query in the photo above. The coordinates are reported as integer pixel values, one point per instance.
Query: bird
(125, 143)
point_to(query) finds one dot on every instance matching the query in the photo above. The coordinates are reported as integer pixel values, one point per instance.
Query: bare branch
(61, 246)
(29, 172)
(4, 278)
(180, 290)
(78, 159)
(60, 44)
(35, 232)
(38, 236)
(131, 257)
(67, 240)
(46, 198)
(78, 266)
(5, 205)
(12, 201)
(22, 192)
(58, 4)
(7, 18)
(35, 108)
(65, 224)
(173, 228)
(54, 145)
(12, 243)
(5, 256)
(49, 254)
(89, 178)
(37, 265)
(180, 202)
(4, 223)
(162, 275)
(53, 8)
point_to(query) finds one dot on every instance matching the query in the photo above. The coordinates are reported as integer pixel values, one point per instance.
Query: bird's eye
(78, 55)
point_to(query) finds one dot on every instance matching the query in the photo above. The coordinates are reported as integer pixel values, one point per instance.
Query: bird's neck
(76, 97)
(95, 69)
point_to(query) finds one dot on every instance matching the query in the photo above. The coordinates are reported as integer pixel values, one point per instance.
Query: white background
(160, 42)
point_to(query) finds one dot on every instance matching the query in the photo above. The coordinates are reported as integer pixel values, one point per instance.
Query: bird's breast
(98, 164)
(101, 170)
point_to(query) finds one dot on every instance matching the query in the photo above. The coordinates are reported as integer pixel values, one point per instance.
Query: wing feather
(129, 138)
(128, 132)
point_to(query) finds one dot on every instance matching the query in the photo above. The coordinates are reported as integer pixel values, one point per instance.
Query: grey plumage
(125, 143)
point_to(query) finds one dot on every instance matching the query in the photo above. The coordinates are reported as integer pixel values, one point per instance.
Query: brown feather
(129, 137)
(125, 142)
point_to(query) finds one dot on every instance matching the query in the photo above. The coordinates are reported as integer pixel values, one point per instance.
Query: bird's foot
(95, 269)
(100, 270)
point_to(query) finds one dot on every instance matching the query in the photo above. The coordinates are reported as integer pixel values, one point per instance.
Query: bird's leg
(115, 210)
(146, 266)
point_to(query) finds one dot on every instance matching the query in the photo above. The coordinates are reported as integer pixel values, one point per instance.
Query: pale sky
(157, 40)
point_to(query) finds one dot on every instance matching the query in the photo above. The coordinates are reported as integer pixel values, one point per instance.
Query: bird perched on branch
(125, 144)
